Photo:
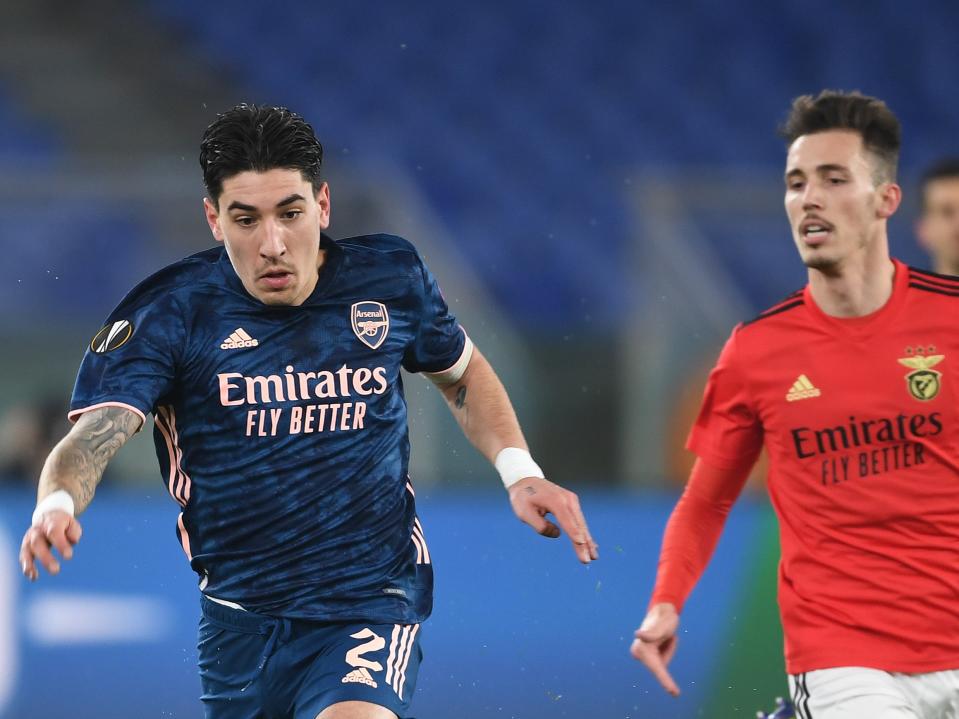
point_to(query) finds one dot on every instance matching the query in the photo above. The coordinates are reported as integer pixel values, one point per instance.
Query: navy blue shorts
(258, 667)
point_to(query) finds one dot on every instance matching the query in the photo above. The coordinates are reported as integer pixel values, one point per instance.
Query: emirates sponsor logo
(237, 389)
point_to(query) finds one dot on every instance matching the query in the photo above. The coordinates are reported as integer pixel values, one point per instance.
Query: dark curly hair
(258, 138)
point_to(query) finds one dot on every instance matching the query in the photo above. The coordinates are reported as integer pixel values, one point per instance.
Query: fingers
(74, 531)
(654, 658)
(537, 497)
(655, 643)
(57, 536)
(36, 547)
(668, 650)
(570, 518)
(550, 530)
(26, 558)
(578, 515)
(666, 643)
(56, 530)
(652, 631)
(539, 523)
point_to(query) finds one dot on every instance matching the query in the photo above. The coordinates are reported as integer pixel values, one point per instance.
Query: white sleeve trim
(74, 415)
(454, 373)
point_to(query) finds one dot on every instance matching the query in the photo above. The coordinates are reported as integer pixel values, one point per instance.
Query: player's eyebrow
(820, 169)
(831, 167)
(237, 205)
(289, 200)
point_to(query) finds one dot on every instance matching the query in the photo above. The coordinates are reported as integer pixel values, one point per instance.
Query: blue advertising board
(520, 629)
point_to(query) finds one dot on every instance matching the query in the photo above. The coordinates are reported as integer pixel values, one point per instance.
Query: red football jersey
(860, 421)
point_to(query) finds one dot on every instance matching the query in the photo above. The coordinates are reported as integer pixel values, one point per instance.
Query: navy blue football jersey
(282, 430)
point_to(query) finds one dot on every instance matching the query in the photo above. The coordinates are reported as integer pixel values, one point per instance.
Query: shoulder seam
(173, 287)
(948, 292)
(792, 296)
(934, 278)
(790, 302)
(403, 246)
(159, 290)
(775, 311)
(954, 279)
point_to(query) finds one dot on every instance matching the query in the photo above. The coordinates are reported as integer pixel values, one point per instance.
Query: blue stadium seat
(24, 140)
(521, 122)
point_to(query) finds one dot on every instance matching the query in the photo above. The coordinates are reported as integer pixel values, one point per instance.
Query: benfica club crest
(371, 322)
(923, 382)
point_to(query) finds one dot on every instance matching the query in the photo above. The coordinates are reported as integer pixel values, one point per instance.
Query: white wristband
(60, 499)
(514, 464)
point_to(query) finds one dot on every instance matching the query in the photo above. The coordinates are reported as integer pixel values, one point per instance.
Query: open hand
(533, 498)
(655, 643)
(54, 529)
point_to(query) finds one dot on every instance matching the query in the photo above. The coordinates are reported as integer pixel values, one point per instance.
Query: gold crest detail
(923, 382)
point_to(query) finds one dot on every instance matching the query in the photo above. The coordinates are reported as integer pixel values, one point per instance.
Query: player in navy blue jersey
(271, 365)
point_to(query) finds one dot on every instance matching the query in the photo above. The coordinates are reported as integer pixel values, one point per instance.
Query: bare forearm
(483, 410)
(77, 463)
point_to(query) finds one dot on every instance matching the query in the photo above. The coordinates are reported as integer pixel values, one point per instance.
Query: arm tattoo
(460, 400)
(76, 464)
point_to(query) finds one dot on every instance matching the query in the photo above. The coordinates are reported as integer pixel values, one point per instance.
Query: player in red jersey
(851, 385)
(938, 224)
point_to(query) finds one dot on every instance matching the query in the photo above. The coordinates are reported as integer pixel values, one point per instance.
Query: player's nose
(271, 241)
(812, 196)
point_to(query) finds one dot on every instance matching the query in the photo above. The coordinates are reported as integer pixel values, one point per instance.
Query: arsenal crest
(371, 322)
(923, 382)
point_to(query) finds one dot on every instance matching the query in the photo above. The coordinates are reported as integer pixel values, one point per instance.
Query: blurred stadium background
(597, 186)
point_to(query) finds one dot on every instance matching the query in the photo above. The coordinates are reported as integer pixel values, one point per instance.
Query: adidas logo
(361, 676)
(239, 338)
(802, 389)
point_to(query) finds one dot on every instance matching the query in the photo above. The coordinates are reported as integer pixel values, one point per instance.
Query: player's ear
(890, 195)
(212, 218)
(323, 202)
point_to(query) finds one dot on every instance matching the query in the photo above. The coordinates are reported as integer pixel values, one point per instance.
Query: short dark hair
(835, 110)
(258, 138)
(945, 169)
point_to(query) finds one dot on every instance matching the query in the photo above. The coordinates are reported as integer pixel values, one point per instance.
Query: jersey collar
(331, 266)
(867, 323)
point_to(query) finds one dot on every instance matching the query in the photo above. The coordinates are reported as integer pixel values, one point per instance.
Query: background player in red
(850, 384)
(938, 225)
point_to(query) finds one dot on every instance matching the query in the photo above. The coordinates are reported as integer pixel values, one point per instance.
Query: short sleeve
(439, 346)
(727, 433)
(131, 361)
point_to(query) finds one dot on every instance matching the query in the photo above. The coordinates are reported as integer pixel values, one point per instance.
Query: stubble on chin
(829, 266)
(823, 264)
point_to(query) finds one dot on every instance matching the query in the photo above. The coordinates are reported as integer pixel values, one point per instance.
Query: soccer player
(271, 366)
(938, 225)
(851, 384)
